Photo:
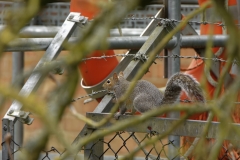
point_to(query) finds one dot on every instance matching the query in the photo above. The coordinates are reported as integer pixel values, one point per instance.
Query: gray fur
(146, 96)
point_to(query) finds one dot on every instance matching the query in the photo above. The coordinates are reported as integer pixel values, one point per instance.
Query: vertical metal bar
(17, 71)
(165, 51)
(7, 144)
(17, 68)
(174, 12)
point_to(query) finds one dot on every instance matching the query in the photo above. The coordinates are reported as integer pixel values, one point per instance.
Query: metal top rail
(51, 31)
(191, 128)
(193, 41)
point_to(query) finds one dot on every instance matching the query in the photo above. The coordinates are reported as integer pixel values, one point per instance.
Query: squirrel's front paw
(117, 115)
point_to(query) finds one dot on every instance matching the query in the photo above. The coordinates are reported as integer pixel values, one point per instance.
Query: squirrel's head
(112, 81)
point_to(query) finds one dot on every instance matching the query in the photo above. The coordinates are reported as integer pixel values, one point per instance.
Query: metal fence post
(174, 12)
(165, 51)
(17, 70)
(7, 142)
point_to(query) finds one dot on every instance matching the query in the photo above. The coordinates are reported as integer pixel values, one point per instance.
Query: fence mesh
(122, 143)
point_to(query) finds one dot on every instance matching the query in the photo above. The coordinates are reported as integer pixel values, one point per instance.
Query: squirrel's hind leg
(132, 112)
(122, 110)
(143, 104)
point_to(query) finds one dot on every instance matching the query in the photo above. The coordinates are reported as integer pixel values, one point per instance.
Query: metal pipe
(17, 71)
(131, 42)
(39, 44)
(165, 51)
(201, 41)
(39, 31)
(174, 12)
(126, 32)
(51, 31)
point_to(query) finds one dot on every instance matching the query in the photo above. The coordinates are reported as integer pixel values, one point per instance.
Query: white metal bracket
(79, 19)
(22, 116)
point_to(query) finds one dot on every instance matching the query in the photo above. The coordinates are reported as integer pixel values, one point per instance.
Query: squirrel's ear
(115, 77)
(120, 74)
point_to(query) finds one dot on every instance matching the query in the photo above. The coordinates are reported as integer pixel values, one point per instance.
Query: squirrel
(146, 96)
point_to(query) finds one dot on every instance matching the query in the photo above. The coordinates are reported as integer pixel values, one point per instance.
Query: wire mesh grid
(115, 146)
(143, 16)
(47, 154)
(122, 143)
(55, 14)
(16, 148)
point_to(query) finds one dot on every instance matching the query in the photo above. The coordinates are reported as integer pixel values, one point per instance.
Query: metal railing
(40, 44)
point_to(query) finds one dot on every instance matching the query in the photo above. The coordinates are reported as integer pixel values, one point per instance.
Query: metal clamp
(140, 56)
(22, 116)
(79, 19)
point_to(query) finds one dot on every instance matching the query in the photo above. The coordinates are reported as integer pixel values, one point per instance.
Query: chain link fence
(127, 142)
(121, 143)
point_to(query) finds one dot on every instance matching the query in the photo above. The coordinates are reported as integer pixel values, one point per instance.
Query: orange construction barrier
(197, 70)
(93, 71)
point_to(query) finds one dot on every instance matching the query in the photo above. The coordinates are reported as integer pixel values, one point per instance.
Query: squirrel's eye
(108, 81)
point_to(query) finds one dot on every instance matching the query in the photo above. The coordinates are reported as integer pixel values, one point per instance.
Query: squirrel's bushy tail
(185, 82)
